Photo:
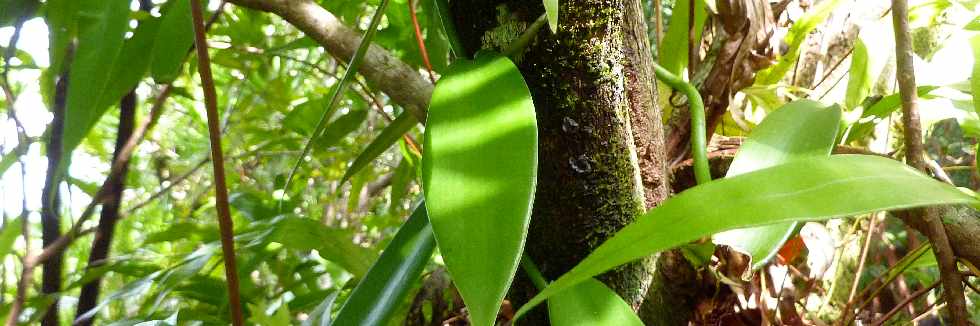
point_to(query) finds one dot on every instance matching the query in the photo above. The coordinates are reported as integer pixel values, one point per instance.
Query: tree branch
(401, 82)
(936, 232)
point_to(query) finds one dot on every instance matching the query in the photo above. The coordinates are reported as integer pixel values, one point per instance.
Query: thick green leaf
(8, 235)
(799, 129)
(674, 48)
(800, 190)
(389, 136)
(99, 45)
(795, 37)
(479, 170)
(384, 287)
(332, 244)
(172, 42)
(591, 303)
(551, 8)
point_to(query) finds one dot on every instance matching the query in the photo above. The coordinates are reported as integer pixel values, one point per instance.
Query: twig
(900, 305)
(864, 256)
(951, 279)
(420, 41)
(166, 189)
(221, 191)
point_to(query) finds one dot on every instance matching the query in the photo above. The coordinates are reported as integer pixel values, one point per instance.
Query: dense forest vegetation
(489, 162)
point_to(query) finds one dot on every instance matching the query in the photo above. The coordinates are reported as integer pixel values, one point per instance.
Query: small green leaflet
(801, 190)
(384, 287)
(797, 130)
(389, 136)
(591, 303)
(551, 8)
(479, 170)
(8, 235)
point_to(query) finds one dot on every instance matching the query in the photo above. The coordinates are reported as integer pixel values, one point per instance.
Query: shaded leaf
(9, 234)
(551, 8)
(341, 127)
(384, 287)
(797, 130)
(479, 170)
(172, 42)
(800, 190)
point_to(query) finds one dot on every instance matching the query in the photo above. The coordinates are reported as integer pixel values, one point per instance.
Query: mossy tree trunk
(601, 150)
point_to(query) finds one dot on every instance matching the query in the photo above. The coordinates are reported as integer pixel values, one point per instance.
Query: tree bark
(102, 240)
(601, 148)
(51, 203)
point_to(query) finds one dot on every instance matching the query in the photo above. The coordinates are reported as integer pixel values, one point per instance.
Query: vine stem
(699, 137)
(533, 272)
(221, 190)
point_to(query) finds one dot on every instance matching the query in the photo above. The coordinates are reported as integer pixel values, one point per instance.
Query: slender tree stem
(905, 302)
(217, 158)
(699, 137)
(951, 278)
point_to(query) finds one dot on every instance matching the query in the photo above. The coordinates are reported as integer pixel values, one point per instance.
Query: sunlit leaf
(9, 234)
(590, 303)
(797, 130)
(975, 76)
(384, 287)
(859, 77)
(551, 8)
(479, 169)
(800, 190)
(674, 47)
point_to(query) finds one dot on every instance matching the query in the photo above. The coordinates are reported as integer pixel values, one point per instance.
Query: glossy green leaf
(332, 244)
(98, 47)
(479, 170)
(975, 76)
(320, 316)
(551, 8)
(591, 303)
(384, 287)
(674, 48)
(9, 234)
(172, 42)
(797, 130)
(800, 190)
(389, 136)
(795, 37)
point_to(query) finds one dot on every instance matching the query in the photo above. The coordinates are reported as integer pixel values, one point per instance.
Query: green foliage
(335, 245)
(590, 303)
(9, 234)
(798, 130)
(799, 190)
(479, 171)
(551, 8)
(675, 47)
(795, 37)
(381, 291)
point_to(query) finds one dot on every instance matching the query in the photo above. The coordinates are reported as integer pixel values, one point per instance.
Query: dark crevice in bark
(110, 213)
(51, 202)
(601, 148)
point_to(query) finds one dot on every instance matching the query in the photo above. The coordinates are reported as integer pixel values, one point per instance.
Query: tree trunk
(51, 203)
(601, 148)
(89, 295)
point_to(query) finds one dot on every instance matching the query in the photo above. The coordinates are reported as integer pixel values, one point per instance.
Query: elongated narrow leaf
(8, 234)
(99, 45)
(551, 8)
(591, 303)
(389, 136)
(859, 77)
(795, 37)
(800, 190)
(381, 291)
(797, 130)
(881, 109)
(479, 170)
(674, 48)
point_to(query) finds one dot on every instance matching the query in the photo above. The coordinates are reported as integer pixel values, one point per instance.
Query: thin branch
(221, 191)
(420, 41)
(951, 279)
(908, 300)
